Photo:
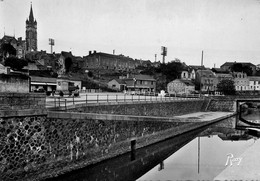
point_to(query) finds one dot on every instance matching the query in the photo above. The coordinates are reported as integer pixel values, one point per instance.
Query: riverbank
(186, 123)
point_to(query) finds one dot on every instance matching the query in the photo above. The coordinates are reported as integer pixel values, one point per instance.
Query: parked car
(40, 90)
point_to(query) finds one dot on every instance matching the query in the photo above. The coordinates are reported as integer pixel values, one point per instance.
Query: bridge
(38, 141)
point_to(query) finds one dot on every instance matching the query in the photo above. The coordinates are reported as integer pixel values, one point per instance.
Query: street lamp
(134, 79)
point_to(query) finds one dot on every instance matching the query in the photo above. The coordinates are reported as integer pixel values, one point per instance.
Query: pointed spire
(31, 18)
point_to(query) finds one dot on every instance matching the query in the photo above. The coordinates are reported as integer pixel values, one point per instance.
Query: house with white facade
(241, 81)
(254, 83)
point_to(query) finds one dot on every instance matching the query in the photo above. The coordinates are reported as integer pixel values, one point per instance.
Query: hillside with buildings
(58, 71)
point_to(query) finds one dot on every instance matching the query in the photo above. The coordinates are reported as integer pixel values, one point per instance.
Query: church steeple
(31, 32)
(31, 19)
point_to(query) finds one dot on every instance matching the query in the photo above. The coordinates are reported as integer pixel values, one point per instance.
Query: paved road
(89, 98)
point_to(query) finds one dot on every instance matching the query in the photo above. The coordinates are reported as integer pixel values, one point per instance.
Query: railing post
(116, 97)
(66, 105)
(132, 97)
(59, 101)
(144, 97)
(86, 98)
(97, 98)
(107, 97)
(133, 148)
(55, 102)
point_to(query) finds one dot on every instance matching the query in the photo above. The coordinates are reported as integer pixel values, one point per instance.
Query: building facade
(117, 84)
(241, 81)
(140, 83)
(180, 86)
(254, 83)
(207, 81)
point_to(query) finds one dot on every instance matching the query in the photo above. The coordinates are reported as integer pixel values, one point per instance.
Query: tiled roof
(187, 82)
(142, 77)
(207, 73)
(253, 78)
(120, 81)
(231, 63)
(197, 67)
(219, 70)
(43, 79)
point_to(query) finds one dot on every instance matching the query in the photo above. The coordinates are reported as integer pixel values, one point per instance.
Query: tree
(68, 63)
(227, 87)
(239, 67)
(7, 48)
(172, 70)
(15, 63)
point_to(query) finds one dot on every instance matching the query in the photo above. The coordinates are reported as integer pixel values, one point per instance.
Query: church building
(31, 33)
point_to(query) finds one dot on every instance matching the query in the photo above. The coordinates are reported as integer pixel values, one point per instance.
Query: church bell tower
(31, 33)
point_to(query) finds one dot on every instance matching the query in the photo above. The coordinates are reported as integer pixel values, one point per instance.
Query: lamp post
(201, 71)
(134, 79)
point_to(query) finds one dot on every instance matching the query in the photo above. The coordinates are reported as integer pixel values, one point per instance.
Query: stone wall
(14, 83)
(36, 146)
(227, 103)
(21, 104)
(159, 109)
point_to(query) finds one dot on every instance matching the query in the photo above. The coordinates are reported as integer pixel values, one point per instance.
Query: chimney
(95, 51)
(113, 52)
(89, 52)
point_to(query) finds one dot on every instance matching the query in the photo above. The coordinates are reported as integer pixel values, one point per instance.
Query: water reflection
(249, 114)
(199, 154)
(206, 156)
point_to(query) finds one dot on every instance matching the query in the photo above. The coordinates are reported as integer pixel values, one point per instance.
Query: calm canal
(196, 155)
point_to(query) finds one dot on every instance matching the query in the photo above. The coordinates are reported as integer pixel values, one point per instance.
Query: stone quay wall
(37, 147)
(159, 109)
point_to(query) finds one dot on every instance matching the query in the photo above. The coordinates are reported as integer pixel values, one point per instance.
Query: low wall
(160, 109)
(21, 104)
(14, 83)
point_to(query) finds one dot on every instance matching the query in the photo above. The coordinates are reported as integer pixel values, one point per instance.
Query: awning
(51, 83)
(38, 83)
(42, 83)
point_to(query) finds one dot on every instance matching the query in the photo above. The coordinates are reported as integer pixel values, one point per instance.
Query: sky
(225, 30)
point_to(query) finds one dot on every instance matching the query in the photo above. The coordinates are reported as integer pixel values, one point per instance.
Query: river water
(197, 155)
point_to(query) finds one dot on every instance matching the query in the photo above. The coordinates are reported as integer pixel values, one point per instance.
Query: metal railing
(63, 103)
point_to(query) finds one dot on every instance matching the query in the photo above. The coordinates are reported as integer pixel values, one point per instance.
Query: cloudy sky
(226, 30)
